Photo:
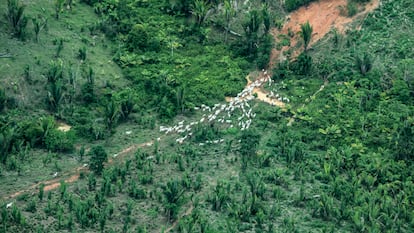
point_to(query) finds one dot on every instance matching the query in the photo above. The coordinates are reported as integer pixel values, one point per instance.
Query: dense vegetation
(337, 158)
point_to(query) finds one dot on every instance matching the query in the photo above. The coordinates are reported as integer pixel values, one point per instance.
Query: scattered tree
(364, 63)
(58, 7)
(98, 156)
(306, 34)
(111, 114)
(229, 12)
(173, 193)
(38, 25)
(16, 18)
(199, 9)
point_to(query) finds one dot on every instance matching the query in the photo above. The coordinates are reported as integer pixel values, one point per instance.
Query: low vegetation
(337, 158)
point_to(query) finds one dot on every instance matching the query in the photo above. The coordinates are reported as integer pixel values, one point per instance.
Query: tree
(228, 13)
(363, 63)
(98, 157)
(111, 114)
(251, 29)
(3, 99)
(266, 18)
(55, 96)
(88, 88)
(7, 137)
(127, 105)
(16, 18)
(38, 25)
(181, 98)
(199, 9)
(306, 34)
(249, 140)
(58, 7)
(173, 193)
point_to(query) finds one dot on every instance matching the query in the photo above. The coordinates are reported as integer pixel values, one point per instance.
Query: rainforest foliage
(337, 158)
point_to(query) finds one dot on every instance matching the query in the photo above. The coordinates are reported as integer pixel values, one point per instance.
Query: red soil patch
(323, 16)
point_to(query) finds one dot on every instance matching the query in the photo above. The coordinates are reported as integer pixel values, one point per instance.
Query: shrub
(291, 5)
(88, 92)
(82, 53)
(138, 38)
(55, 71)
(351, 8)
(38, 25)
(90, 2)
(303, 64)
(264, 51)
(58, 141)
(58, 7)
(3, 99)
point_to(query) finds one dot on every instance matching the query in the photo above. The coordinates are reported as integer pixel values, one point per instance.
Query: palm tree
(127, 106)
(58, 7)
(199, 10)
(173, 193)
(181, 98)
(55, 96)
(7, 136)
(111, 114)
(266, 17)
(17, 19)
(306, 34)
(228, 13)
(3, 99)
(38, 25)
(251, 28)
(364, 63)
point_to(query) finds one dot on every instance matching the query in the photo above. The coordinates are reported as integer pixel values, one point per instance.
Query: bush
(58, 141)
(351, 8)
(264, 51)
(291, 5)
(3, 99)
(89, 2)
(303, 64)
(137, 38)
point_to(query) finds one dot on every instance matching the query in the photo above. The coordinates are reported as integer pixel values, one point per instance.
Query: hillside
(207, 116)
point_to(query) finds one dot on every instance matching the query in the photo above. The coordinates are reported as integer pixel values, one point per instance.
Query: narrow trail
(73, 175)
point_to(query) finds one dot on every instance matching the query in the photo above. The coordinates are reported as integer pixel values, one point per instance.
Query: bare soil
(63, 127)
(323, 16)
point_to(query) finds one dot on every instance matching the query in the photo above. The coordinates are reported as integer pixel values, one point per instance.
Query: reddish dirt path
(73, 176)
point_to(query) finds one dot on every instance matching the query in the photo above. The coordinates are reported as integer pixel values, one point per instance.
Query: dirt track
(74, 176)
